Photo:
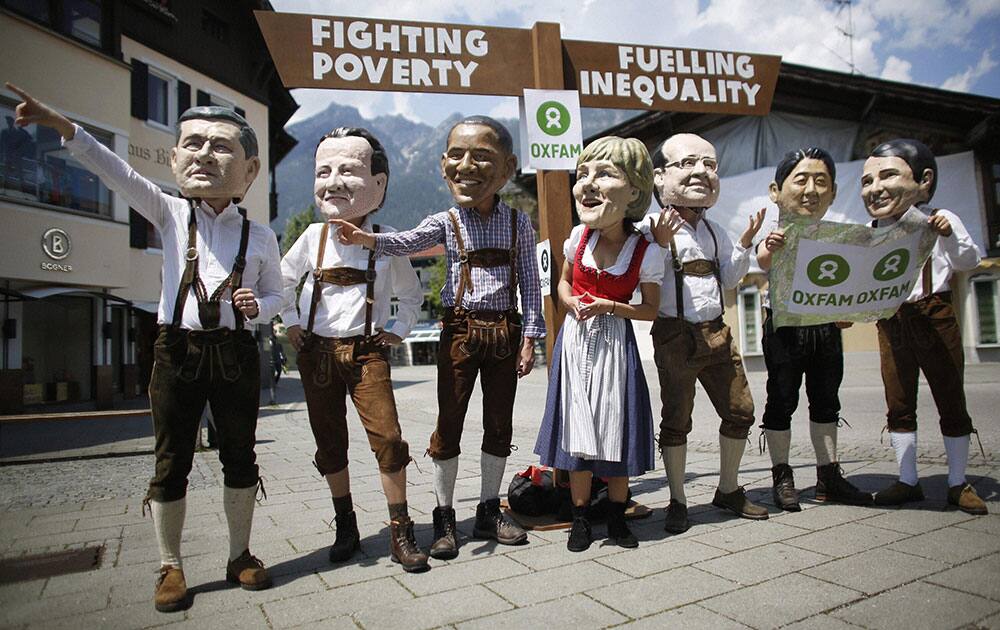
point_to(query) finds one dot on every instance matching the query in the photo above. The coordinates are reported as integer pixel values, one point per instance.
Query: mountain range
(416, 188)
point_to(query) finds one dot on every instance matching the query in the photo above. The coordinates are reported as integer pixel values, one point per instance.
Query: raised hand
(32, 111)
(756, 220)
(664, 226)
(775, 240)
(940, 224)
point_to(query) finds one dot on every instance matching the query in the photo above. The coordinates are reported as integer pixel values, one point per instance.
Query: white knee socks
(168, 520)
(730, 455)
(675, 461)
(445, 473)
(957, 449)
(239, 504)
(778, 444)
(824, 439)
(905, 445)
(491, 476)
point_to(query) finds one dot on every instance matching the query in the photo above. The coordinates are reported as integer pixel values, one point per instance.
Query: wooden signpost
(350, 53)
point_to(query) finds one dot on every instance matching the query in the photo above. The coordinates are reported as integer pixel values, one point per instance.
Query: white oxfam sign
(554, 132)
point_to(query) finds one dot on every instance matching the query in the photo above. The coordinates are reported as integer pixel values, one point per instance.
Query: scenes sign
(314, 51)
(836, 272)
(674, 79)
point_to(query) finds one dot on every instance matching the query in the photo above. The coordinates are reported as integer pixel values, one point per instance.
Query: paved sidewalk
(926, 566)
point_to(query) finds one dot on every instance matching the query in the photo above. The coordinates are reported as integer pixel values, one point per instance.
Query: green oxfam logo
(828, 270)
(552, 118)
(892, 265)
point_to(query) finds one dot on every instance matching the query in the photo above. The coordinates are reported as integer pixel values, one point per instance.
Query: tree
(295, 226)
(438, 274)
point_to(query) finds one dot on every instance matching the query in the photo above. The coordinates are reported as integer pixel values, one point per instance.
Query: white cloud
(962, 81)
(896, 69)
(402, 105)
(507, 108)
(808, 32)
(313, 101)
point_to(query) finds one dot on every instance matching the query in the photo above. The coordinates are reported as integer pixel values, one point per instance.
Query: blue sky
(940, 43)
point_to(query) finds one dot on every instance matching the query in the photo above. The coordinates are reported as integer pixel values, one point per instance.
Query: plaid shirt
(489, 284)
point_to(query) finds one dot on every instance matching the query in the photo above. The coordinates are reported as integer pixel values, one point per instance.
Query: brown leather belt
(458, 314)
(701, 267)
(341, 276)
(489, 257)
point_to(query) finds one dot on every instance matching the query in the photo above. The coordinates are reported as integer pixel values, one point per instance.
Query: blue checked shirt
(489, 284)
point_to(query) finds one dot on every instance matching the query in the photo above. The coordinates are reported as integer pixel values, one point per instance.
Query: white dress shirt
(341, 310)
(218, 239)
(702, 300)
(950, 254)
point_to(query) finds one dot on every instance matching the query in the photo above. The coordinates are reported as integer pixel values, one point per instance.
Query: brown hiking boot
(248, 572)
(492, 523)
(445, 545)
(832, 487)
(738, 503)
(677, 518)
(785, 495)
(899, 493)
(403, 546)
(171, 590)
(965, 498)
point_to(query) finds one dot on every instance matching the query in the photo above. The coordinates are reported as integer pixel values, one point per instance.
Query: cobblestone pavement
(926, 566)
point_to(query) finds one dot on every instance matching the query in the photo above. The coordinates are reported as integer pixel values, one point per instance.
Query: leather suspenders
(485, 257)
(342, 276)
(695, 268)
(208, 306)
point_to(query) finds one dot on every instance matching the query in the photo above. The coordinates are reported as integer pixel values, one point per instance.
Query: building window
(34, 166)
(78, 19)
(82, 20)
(161, 92)
(992, 176)
(750, 320)
(987, 295)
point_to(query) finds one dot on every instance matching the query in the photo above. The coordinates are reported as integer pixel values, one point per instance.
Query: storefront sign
(554, 130)
(835, 272)
(56, 243)
(315, 51)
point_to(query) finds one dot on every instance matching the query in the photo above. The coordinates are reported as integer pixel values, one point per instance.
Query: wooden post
(555, 219)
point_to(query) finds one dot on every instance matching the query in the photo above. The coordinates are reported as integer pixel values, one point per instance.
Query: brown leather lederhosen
(217, 366)
(924, 336)
(332, 367)
(687, 352)
(478, 342)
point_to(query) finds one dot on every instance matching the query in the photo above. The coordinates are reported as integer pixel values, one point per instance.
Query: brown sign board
(626, 76)
(347, 53)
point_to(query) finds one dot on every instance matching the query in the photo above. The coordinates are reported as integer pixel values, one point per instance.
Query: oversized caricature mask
(345, 187)
(477, 162)
(889, 188)
(211, 159)
(690, 177)
(807, 190)
(613, 182)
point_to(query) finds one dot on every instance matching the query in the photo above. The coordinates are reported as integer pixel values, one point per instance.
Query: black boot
(618, 530)
(831, 486)
(445, 546)
(348, 538)
(785, 495)
(579, 535)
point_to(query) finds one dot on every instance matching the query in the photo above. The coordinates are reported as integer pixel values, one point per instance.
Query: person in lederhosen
(339, 330)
